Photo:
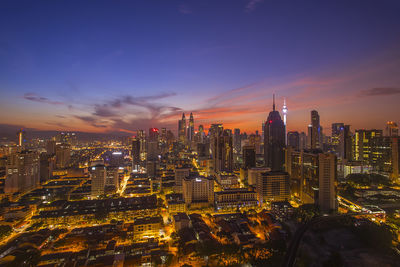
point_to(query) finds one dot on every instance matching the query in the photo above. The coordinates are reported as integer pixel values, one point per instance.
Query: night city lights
(199, 133)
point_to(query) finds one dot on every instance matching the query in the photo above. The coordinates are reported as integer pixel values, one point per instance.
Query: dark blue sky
(70, 64)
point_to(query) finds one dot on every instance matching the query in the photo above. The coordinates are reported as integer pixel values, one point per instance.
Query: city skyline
(189, 133)
(95, 75)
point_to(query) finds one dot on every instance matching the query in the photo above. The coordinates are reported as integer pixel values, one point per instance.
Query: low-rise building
(233, 198)
(148, 227)
(181, 220)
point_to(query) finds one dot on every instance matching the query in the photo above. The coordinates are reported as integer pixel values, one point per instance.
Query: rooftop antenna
(273, 102)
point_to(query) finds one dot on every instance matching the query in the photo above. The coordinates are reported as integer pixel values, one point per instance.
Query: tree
(101, 215)
(5, 230)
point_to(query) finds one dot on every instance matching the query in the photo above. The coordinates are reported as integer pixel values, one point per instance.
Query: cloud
(86, 118)
(103, 111)
(36, 98)
(381, 91)
(251, 5)
(155, 109)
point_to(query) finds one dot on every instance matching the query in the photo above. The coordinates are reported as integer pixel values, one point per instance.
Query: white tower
(284, 111)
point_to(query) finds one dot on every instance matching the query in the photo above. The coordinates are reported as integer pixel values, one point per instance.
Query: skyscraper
(274, 140)
(315, 130)
(293, 139)
(363, 144)
(337, 129)
(327, 182)
(63, 155)
(135, 152)
(392, 129)
(236, 141)
(202, 134)
(395, 159)
(190, 130)
(23, 171)
(141, 135)
(249, 157)
(182, 129)
(302, 140)
(223, 160)
(99, 175)
(345, 143)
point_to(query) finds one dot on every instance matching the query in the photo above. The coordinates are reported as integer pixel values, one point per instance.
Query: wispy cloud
(36, 98)
(382, 91)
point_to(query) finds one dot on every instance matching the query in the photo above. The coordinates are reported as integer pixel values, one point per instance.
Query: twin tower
(186, 133)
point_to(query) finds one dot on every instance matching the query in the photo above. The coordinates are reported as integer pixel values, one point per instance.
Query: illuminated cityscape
(199, 133)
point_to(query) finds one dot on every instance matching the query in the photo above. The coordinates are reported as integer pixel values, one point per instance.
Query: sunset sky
(106, 66)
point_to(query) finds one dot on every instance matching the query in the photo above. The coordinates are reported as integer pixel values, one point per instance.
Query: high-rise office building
(190, 129)
(274, 140)
(63, 155)
(153, 150)
(223, 160)
(22, 171)
(51, 146)
(112, 177)
(309, 134)
(255, 140)
(117, 159)
(182, 129)
(99, 176)
(337, 129)
(47, 165)
(236, 141)
(135, 153)
(154, 135)
(273, 186)
(345, 150)
(363, 144)
(302, 141)
(163, 136)
(309, 170)
(392, 129)
(254, 173)
(141, 135)
(202, 134)
(327, 173)
(180, 174)
(395, 159)
(293, 139)
(315, 130)
(249, 157)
